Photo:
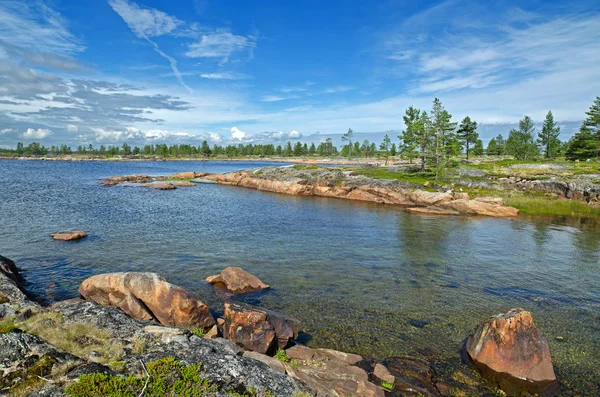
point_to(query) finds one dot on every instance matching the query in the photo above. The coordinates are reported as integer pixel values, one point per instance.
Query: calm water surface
(362, 277)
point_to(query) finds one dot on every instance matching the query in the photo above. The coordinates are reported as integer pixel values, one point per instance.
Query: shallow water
(362, 277)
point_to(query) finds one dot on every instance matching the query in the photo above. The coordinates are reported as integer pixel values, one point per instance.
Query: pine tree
(385, 147)
(409, 140)
(443, 128)
(467, 132)
(548, 137)
(478, 148)
(592, 122)
(582, 146)
(347, 137)
(520, 143)
(492, 148)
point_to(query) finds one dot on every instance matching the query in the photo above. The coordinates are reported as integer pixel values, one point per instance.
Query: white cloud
(225, 76)
(157, 134)
(145, 22)
(237, 134)
(40, 133)
(220, 44)
(295, 134)
(72, 128)
(109, 135)
(272, 98)
(214, 137)
(6, 131)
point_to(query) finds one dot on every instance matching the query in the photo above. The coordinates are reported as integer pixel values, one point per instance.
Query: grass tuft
(7, 327)
(167, 377)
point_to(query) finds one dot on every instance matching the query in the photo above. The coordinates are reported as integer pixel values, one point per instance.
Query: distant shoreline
(253, 159)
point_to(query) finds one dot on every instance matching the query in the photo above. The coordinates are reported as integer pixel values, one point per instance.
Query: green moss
(167, 377)
(281, 355)
(199, 332)
(305, 167)
(8, 327)
(406, 176)
(387, 385)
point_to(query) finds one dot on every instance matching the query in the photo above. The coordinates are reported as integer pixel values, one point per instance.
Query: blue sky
(153, 71)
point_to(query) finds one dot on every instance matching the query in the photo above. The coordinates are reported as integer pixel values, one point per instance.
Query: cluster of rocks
(143, 309)
(171, 182)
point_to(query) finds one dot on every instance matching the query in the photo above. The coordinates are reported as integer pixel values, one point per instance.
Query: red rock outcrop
(510, 348)
(147, 296)
(259, 330)
(444, 203)
(139, 178)
(187, 175)
(69, 236)
(237, 281)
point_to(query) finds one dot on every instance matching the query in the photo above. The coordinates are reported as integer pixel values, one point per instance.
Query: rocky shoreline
(340, 184)
(129, 321)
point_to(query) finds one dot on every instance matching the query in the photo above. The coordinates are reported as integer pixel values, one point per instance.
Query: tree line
(430, 137)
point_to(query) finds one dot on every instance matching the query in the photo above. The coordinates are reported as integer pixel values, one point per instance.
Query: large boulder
(69, 236)
(510, 349)
(147, 296)
(237, 281)
(259, 330)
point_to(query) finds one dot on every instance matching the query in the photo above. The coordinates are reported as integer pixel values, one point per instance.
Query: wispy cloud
(500, 47)
(33, 33)
(146, 23)
(336, 89)
(225, 76)
(272, 98)
(220, 44)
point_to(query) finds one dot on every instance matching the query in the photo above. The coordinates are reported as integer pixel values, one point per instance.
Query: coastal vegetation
(164, 377)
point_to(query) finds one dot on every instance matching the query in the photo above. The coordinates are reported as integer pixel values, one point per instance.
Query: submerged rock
(510, 349)
(184, 184)
(237, 281)
(69, 236)
(147, 296)
(160, 186)
(476, 207)
(433, 210)
(259, 330)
